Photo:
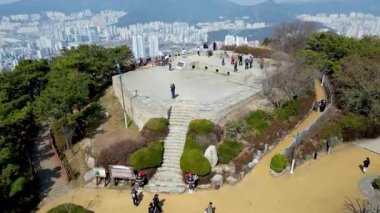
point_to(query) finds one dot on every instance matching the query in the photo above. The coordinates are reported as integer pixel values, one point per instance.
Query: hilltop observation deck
(202, 83)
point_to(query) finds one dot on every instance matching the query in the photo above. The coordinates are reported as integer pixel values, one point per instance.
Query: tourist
(235, 66)
(223, 61)
(170, 65)
(135, 197)
(240, 56)
(366, 163)
(232, 58)
(315, 106)
(151, 208)
(156, 203)
(246, 63)
(172, 89)
(183, 51)
(250, 61)
(214, 47)
(210, 208)
(199, 51)
(322, 106)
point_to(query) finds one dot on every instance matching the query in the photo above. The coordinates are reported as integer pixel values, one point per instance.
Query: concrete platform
(370, 144)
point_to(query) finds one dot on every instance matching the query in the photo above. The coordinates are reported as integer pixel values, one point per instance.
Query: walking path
(52, 179)
(317, 186)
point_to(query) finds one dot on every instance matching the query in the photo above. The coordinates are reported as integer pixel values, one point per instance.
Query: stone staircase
(169, 178)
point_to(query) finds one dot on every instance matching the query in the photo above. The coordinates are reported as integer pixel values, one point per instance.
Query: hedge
(148, 157)
(192, 159)
(68, 207)
(376, 183)
(278, 163)
(159, 125)
(228, 150)
(201, 126)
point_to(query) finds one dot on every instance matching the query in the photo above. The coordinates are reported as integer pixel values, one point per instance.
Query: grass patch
(259, 121)
(148, 157)
(228, 150)
(287, 110)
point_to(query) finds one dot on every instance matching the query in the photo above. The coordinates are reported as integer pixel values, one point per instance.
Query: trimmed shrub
(330, 129)
(69, 207)
(201, 126)
(228, 150)
(278, 163)
(192, 160)
(376, 183)
(235, 128)
(155, 129)
(148, 157)
(287, 110)
(118, 153)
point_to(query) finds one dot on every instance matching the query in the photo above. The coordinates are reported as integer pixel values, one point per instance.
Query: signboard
(122, 172)
(99, 172)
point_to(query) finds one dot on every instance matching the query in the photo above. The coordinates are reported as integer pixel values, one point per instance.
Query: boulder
(231, 180)
(90, 161)
(85, 144)
(88, 176)
(211, 155)
(217, 180)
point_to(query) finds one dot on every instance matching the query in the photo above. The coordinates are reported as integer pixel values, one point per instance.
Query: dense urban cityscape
(44, 35)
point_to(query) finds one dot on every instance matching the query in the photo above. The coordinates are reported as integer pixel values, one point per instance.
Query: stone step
(174, 148)
(171, 165)
(166, 189)
(167, 169)
(167, 175)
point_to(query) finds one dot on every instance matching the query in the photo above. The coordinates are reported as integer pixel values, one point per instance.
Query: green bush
(287, 110)
(192, 160)
(259, 120)
(352, 121)
(228, 150)
(234, 128)
(201, 126)
(376, 183)
(331, 129)
(158, 125)
(68, 207)
(278, 163)
(148, 157)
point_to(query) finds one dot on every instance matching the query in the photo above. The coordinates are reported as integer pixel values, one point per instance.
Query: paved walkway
(317, 186)
(370, 144)
(50, 174)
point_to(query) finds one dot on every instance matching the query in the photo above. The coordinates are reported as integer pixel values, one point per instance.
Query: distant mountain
(193, 11)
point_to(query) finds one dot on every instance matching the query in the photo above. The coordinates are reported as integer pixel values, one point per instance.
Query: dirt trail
(318, 186)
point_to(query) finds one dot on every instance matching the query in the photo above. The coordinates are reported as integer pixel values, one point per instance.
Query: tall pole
(122, 95)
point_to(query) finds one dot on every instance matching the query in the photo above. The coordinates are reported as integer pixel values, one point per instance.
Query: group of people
(248, 61)
(320, 105)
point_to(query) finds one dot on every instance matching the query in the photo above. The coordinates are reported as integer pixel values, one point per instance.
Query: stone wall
(139, 109)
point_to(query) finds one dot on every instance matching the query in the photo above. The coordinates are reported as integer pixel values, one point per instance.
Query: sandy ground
(317, 186)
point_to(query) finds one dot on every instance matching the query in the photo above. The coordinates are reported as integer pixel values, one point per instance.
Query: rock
(85, 144)
(217, 180)
(245, 168)
(218, 169)
(90, 161)
(231, 180)
(211, 155)
(251, 164)
(106, 114)
(204, 186)
(88, 176)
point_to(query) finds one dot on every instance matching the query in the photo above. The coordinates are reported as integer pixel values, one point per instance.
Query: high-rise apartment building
(138, 46)
(153, 46)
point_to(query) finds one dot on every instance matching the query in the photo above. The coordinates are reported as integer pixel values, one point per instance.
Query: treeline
(54, 92)
(354, 69)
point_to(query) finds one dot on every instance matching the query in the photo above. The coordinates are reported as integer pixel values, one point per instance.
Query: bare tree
(287, 80)
(362, 206)
(292, 36)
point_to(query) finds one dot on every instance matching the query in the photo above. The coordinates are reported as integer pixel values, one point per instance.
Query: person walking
(250, 61)
(151, 208)
(246, 63)
(235, 66)
(315, 106)
(172, 89)
(170, 65)
(232, 58)
(135, 197)
(156, 203)
(210, 208)
(366, 163)
(199, 51)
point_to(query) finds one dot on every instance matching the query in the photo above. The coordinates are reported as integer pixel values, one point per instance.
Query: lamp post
(122, 94)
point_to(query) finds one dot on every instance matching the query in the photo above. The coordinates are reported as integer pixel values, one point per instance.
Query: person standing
(223, 61)
(156, 203)
(246, 63)
(214, 47)
(210, 208)
(366, 163)
(151, 208)
(235, 66)
(135, 197)
(232, 58)
(170, 65)
(172, 89)
(199, 51)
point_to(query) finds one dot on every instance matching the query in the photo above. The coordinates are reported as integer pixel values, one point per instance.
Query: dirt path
(318, 186)
(51, 177)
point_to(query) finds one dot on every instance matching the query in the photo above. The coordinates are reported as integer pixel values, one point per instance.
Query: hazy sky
(252, 2)
(244, 2)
